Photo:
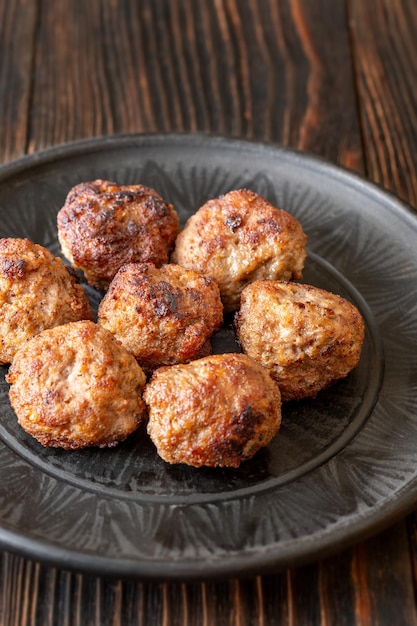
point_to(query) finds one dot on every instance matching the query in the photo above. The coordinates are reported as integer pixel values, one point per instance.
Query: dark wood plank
(371, 583)
(18, 20)
(412, 532)
(320, 593)
(381, 571)
(34, 594)
(385, 47)
(275, 71)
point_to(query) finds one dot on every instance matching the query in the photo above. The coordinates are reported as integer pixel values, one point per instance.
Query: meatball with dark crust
(238, 238)
(75, 386)
(162, 315)
(37, 291)
(306, 337)
(217, 411)
(103, 225)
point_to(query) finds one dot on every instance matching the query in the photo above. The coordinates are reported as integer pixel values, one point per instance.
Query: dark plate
(343, 465)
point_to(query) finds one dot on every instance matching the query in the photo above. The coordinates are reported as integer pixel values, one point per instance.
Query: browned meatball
(36, 292)
(75, 386)
(306, 337)
(102, 226)
(217, 411)
(239, 238)
(162, 316)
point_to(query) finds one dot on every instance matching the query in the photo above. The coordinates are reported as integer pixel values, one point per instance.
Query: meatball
(102, 226)
(238, 238)
(306, 337)
(37, 291)
(75, 386)
(216, 411)
(162, 316)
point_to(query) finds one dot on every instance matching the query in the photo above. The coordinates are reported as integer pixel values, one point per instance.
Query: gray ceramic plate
(342, 466)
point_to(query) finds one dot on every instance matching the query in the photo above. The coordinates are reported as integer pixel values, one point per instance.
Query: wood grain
(385, 52)
(332, 77)
(254, 69)
(17, 34)
(379, 568)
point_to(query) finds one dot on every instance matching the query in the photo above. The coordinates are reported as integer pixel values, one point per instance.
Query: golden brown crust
(238, 238)
(102, 226)
(75, 386)
(161, 315)
(37, 291)
(217, 411)
(305, 336)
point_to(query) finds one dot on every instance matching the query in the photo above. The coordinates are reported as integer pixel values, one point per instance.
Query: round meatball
(306, 337)
(162, 316)
(37, 291)
(75, 386)
(217, 411)
(102, 226)
(238, 238)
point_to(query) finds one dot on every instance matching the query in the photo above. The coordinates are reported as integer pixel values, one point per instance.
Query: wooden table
(332, 77)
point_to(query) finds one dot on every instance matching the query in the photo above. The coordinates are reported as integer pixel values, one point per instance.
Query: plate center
(312, 431)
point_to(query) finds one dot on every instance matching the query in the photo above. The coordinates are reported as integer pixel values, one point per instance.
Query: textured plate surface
(343, 464)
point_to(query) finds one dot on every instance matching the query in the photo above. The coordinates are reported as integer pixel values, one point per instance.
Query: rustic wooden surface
(332, 77)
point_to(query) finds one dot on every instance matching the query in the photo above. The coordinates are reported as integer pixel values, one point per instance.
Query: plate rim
(88, 144)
